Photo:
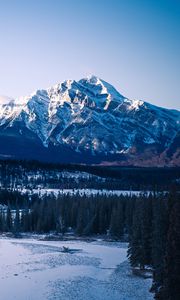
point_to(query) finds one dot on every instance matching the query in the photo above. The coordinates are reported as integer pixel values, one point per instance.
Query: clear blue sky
(132, 44)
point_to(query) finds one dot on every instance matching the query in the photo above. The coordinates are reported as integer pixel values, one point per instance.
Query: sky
(132, 44)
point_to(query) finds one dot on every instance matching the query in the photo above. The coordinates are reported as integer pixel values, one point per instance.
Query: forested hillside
(33, 174)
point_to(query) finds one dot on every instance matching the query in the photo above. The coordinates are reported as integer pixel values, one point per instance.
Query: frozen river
(40, 270)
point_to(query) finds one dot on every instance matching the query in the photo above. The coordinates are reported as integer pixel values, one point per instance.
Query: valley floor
(31, 269)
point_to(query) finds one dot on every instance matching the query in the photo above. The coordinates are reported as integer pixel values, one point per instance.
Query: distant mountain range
(88, 121)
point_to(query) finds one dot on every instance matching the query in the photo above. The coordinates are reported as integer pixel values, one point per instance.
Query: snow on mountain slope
(91, 116)
(4, 100)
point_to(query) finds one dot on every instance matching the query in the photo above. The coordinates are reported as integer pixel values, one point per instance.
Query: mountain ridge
(90, 118)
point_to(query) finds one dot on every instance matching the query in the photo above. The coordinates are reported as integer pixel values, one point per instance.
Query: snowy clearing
(40, 270)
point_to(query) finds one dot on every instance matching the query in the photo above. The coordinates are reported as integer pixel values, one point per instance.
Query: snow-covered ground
(40, 270)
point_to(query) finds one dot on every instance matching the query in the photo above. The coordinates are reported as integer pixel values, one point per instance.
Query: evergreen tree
(25, 220)
(16, 227)
(117, 220)
(146, 230)
(159, 234)
(1, 220)
(135, 250)
(170, 289)
(8, 220)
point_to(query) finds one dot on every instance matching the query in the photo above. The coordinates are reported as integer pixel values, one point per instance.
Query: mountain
(88, 121)
(4, 99)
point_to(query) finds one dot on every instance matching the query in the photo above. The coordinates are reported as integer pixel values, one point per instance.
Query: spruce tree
(170, 289)
(16, 227)
(135, 250)
(159, 236)
(117, 220)
(8, 220)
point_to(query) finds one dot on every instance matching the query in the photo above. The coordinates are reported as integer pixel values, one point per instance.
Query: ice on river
(41, 270)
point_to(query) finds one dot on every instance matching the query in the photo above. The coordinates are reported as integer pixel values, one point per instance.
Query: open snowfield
(40, 270)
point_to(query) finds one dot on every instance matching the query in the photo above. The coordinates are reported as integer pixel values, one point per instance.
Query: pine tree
(25, 220)
(159, 234)
(8, 220)
(170, 289)
(117, 220)
(1, 220)
(16, 228)
(146, 230)
(135, 250)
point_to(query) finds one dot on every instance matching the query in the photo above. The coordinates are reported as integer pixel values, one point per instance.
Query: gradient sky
(132, 44)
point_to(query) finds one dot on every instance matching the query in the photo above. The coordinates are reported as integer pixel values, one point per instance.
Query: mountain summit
(88, 121)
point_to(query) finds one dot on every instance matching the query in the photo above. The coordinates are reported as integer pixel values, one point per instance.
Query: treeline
(23, 173)
(154, 241)
(84, 215)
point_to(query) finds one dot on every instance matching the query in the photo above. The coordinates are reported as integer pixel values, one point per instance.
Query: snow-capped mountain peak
(100, 86)
(91, 116)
